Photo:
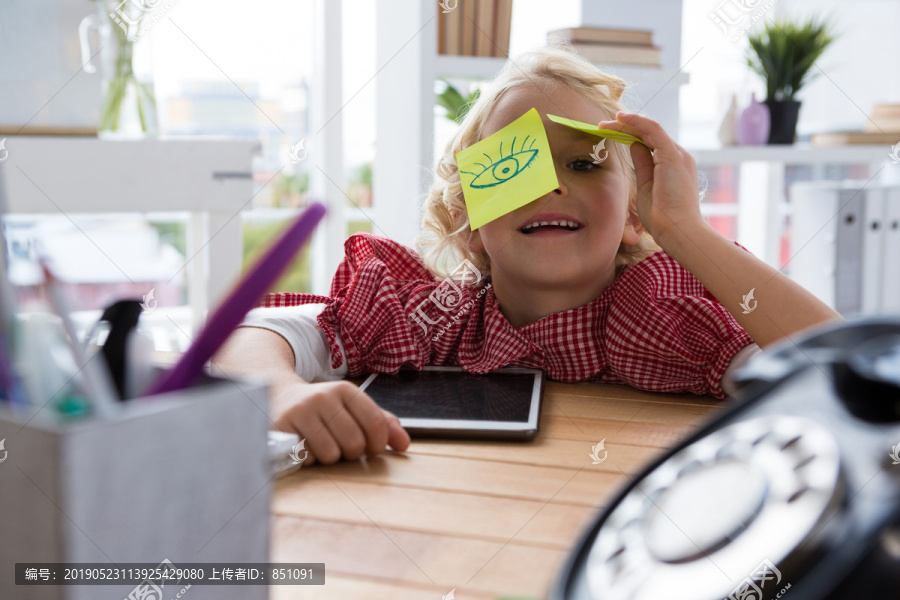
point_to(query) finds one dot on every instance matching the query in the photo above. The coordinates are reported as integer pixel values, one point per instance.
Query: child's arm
(336, 418)
(669, 208)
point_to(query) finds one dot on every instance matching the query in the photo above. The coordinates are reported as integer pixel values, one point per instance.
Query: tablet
(451, 403)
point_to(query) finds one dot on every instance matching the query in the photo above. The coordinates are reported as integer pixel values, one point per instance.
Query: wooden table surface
(488, 519)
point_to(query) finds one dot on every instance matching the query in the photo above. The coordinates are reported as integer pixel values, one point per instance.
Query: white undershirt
(297, 325)
(312, 354)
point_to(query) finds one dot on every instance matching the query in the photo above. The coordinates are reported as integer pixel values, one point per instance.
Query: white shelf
(640, 76)
(467, 67)
(484, 67)
(209, 179)
(798, 154)
(158, 175)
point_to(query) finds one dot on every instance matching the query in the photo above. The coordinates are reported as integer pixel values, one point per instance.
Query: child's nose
(561, 177)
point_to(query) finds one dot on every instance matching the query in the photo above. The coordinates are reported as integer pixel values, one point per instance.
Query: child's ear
(633, 229)
(476, 246)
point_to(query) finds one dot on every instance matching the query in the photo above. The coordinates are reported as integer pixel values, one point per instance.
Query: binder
(814, 239)
(845, 244)
(848, 282)
(872, 252)
(890, 280)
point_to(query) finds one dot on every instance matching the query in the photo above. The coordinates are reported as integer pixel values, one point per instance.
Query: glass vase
(128, 104)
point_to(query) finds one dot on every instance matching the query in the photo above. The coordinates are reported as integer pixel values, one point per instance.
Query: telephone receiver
(793, 491)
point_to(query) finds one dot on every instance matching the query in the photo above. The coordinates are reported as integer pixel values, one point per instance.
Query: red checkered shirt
(655, 327)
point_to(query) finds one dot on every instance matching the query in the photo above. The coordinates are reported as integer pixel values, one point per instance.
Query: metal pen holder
(183, 476)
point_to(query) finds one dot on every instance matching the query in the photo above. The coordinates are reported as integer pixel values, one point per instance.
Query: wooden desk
(489, 519)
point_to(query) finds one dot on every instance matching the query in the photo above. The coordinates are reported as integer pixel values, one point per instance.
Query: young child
(613, 277)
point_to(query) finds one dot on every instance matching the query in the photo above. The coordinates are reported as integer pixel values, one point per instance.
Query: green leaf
(784, 54)
(456, 105)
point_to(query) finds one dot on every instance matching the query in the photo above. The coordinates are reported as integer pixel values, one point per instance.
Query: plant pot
(783, 120)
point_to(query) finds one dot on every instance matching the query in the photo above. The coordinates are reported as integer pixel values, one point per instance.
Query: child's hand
(336, 418)
(667, 193)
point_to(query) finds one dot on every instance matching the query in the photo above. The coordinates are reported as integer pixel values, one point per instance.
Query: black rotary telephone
(793, 492)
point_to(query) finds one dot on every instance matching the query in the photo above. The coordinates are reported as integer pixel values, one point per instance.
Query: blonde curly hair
(443, 242)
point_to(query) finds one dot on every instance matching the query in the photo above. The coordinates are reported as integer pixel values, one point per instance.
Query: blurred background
(160, 144)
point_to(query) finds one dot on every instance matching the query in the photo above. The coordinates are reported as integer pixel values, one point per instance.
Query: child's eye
(582, 165)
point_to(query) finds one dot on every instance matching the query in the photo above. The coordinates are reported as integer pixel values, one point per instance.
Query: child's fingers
(348, 434)
(304, 417)
(643, 164)
(651, 133)
(398, 438)
(369, 416)
(320, 442)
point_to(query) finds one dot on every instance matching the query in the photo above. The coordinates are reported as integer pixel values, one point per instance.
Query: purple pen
(235, 307)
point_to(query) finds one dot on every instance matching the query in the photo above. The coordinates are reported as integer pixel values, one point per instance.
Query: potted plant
(783, 54)
(455, 103)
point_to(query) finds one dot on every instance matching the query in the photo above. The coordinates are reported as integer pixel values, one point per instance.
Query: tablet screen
(455, 395)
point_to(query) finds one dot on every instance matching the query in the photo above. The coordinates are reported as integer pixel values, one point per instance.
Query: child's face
(593, 196)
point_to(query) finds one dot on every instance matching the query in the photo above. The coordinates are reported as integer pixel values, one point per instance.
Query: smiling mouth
(551, 225)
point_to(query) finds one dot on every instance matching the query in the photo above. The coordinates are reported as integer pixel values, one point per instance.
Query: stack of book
(885, 118)
(882, 128)
(474, 27)
(610, 46)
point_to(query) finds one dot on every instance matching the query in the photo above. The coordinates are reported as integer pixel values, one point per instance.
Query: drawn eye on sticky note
(506, 170)
(616, 136)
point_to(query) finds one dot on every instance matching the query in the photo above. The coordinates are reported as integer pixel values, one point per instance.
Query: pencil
(97, 384)
(235, 307)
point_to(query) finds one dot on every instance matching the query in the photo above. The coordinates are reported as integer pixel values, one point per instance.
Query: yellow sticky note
(616, 136)
(506, 170)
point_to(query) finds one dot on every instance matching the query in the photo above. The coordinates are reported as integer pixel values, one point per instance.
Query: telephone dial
(793, 492)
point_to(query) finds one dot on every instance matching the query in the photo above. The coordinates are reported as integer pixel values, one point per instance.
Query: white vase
(727, 130)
